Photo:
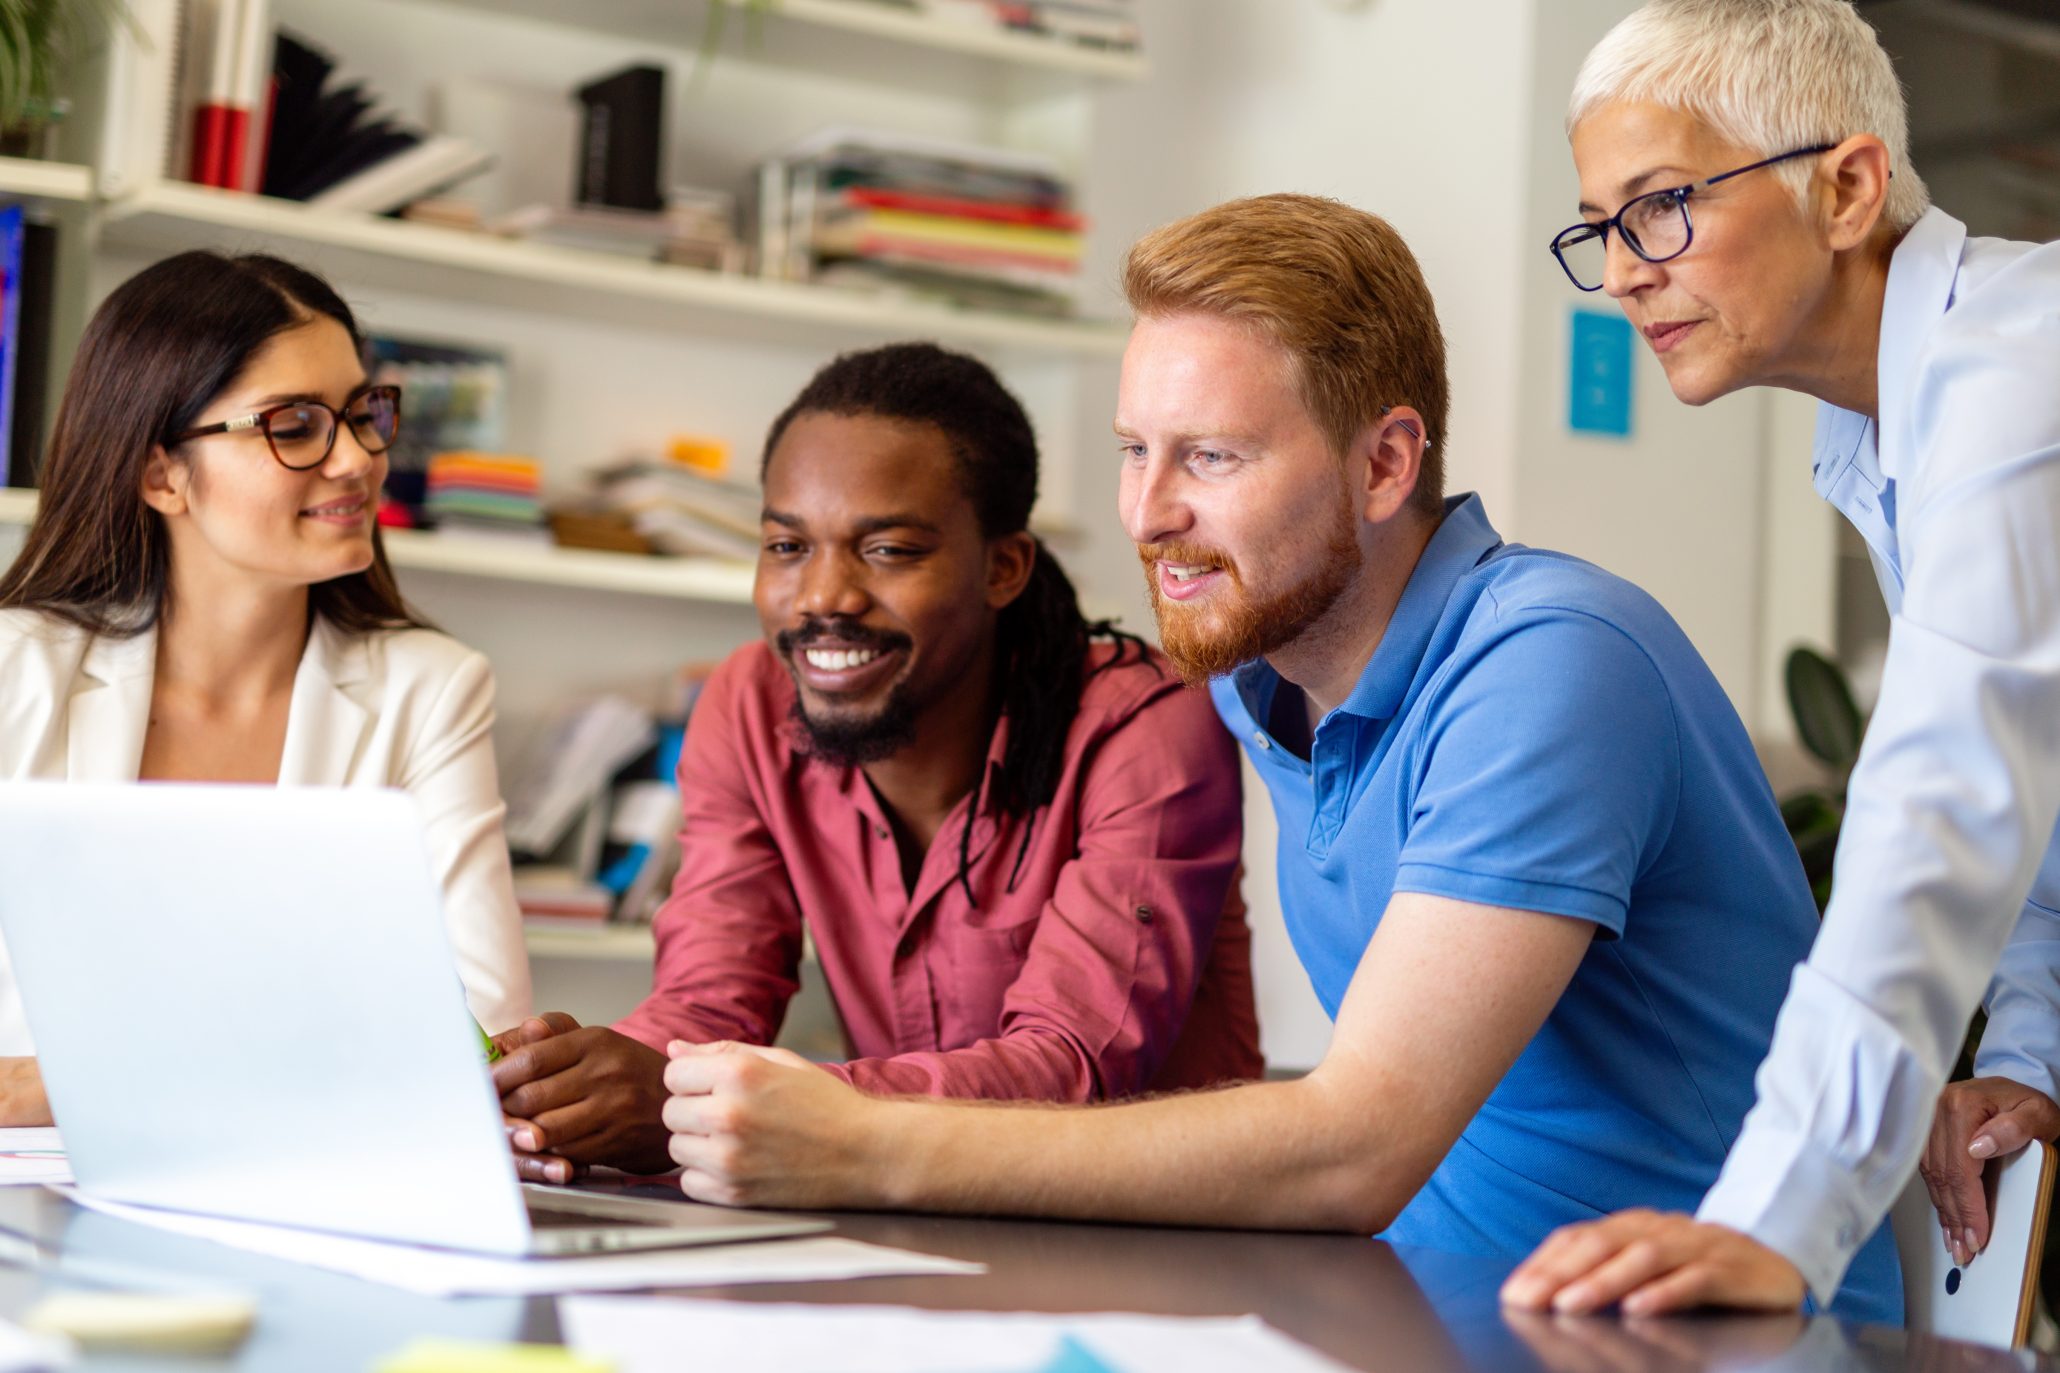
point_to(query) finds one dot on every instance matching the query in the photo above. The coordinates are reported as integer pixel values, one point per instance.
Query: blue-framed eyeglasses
(1655, 226)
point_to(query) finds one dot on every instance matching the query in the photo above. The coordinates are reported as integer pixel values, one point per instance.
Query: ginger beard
(1236, 625)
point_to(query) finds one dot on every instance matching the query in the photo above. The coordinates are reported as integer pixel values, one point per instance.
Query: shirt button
(1847, 1237)
(1144, 915)
(880, 832)
(1259, 738)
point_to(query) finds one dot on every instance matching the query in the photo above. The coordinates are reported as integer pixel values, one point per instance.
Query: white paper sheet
(26, 1351)
(442, 1273)
(648, 1335)
(32, 1155)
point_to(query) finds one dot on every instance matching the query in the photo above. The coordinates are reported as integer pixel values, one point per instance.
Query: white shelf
(606, 942)
(974, 40)
(453, 263)
(686, 579)
(22, 177)
(681, 25)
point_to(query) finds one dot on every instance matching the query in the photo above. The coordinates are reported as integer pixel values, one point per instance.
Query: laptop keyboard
(550, 1218)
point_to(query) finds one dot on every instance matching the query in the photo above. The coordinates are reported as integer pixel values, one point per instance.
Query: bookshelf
(707, 580)
(681, 25)
(456, 264)
(26, 179)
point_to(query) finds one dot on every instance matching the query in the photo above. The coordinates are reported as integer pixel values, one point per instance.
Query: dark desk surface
(1362, 1302)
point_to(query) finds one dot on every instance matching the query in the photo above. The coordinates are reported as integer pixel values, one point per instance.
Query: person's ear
(1010, 561)
(166, 482)
(1857, 172)
(1393, 447)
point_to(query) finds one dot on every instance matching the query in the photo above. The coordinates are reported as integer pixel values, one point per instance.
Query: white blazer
(410, 708)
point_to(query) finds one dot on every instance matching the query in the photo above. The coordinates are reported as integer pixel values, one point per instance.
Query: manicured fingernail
(1984, 1146)
(1973, 1244)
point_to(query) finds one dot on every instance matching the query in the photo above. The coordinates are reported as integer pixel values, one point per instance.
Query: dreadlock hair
(1041, 636)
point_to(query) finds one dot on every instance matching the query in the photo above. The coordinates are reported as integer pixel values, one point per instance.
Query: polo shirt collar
(1461, 541)
(1455, 549)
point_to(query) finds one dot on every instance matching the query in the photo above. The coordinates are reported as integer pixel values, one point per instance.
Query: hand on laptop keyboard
(580, 1095)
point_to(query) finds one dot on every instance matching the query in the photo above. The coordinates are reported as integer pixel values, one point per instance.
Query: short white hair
(1768, 75)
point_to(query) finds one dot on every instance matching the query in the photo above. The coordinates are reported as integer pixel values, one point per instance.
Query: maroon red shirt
(1116, 960)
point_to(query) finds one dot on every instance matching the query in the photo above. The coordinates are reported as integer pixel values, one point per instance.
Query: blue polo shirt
(1535, 733)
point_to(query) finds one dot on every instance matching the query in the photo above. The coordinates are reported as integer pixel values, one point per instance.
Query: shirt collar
(1461, 541)
(1456, 549)
(1921, 277)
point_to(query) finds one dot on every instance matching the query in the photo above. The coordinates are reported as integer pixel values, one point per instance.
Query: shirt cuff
(1803, 1204)
(1842, 1113)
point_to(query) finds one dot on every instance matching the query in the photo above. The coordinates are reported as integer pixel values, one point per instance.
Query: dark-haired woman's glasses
(302, 433)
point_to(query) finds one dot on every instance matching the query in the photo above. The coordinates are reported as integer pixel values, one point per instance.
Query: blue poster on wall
(1599, 375)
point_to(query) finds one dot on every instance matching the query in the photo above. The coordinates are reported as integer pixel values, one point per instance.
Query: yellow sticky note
(487, 1356)
(146, 1320)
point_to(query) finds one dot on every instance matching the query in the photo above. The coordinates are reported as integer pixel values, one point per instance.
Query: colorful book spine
(13, 231)
(878, 198)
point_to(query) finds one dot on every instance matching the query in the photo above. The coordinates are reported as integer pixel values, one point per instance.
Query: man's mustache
(844, 634)
(1185, 555)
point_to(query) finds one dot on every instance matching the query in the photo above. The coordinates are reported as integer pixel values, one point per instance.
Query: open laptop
(244, 1005)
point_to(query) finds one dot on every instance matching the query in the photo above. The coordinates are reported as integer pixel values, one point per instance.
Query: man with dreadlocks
(1012, 835)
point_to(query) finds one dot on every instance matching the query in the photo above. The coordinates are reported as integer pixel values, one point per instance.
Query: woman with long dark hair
(203, 596)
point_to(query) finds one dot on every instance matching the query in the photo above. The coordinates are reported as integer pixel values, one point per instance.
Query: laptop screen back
(244, 1005)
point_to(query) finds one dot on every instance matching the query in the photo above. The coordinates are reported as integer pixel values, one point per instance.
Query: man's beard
(1209, 642)
(851, 741)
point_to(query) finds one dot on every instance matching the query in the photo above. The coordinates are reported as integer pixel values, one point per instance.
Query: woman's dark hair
(1041, 636)
(156, 353)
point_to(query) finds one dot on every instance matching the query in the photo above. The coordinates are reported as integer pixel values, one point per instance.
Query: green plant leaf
(38, 41)
(1825, 714)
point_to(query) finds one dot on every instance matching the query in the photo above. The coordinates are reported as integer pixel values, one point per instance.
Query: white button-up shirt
(1948, 873)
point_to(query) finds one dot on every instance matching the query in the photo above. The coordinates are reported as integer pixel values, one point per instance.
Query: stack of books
(1107, 24)
(486, 492)
(674, 510)
(985, 227)
(696, 229)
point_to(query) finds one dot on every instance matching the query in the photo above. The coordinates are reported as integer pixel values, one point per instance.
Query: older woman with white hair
(1747, 198)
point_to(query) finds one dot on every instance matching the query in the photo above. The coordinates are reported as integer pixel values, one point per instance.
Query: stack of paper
(648, 1336)
(442, 1272)
(32, 1156)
